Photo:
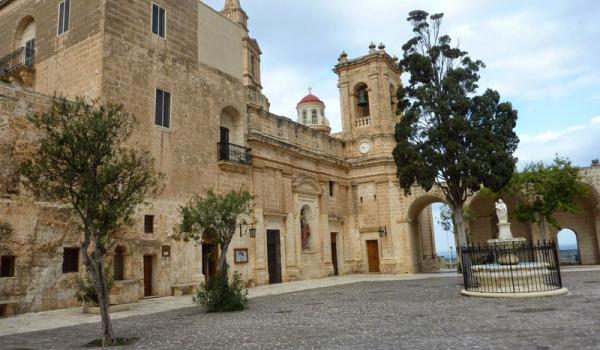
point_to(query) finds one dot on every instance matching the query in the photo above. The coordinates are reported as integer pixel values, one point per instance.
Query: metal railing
(229, 152)
(22, 57)
(569, 257)
(511, 267)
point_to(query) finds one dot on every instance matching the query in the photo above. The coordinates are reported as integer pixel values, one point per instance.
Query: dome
(311, 112)
(310, 98)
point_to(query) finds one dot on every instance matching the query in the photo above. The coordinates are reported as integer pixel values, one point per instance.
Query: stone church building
(325, 204)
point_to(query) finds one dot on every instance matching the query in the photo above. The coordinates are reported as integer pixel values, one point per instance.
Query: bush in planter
(85, 291)
(222, 295)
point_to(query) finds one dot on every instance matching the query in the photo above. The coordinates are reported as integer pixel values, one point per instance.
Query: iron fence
(234, 153)
(22, 57)
(511, 267)
(569, 257)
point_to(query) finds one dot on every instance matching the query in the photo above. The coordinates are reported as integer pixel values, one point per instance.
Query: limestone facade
(324, 203)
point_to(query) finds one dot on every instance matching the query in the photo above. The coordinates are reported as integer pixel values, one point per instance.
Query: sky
(542, 56)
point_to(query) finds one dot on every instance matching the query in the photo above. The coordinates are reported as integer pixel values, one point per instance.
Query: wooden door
(334, 259)
(274, 256)
(210, 260)
(373, 255)
(147, 275)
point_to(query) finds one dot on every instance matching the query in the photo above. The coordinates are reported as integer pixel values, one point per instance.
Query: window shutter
(161, 23)
(167, 110)
(154, 19)
(61, 17)
(158, 111)
(67, 15)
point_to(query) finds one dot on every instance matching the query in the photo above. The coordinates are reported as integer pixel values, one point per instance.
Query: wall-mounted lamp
(246, 228)
(383, 231)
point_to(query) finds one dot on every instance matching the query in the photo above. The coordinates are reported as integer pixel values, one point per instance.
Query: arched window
(119, 264)
(314, 118)
(392, 95)
(361, 92)
(252, 65)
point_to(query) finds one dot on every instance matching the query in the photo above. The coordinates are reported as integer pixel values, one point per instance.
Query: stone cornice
(257, 136)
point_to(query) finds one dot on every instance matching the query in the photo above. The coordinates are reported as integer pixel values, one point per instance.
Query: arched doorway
(444, 236)
(25, 38)
(422, 215)
(568, 247)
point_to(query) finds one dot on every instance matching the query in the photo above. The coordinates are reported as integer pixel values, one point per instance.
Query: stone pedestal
(506, 249)
(504, 232)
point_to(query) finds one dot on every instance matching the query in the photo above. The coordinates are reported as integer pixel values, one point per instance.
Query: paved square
(417, 314)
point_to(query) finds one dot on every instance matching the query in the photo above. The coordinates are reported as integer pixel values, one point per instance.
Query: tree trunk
(459, 221)
(103, 302)
(223, 256)
(542, 226)
(95, 268)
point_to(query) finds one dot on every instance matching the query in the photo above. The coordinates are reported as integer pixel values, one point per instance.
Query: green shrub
(222, 295)
(85, 292)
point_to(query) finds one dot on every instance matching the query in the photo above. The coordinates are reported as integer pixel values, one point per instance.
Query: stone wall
(38, 230)
(68, 63)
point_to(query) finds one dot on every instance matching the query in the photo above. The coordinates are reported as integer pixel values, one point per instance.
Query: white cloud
(580, 143)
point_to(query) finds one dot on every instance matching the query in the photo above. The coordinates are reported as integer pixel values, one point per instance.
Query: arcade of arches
(482, 226)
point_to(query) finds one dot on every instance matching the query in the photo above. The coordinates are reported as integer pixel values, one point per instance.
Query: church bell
(363, 98)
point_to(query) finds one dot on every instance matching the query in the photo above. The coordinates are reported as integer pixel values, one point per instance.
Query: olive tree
(82, 160)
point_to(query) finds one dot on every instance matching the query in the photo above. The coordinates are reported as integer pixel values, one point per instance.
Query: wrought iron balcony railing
(20, 58)
(229, 152)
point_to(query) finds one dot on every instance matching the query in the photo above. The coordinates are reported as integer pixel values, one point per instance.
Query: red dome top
(310, 98)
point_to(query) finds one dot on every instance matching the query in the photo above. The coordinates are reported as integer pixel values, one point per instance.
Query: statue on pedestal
(502, 212)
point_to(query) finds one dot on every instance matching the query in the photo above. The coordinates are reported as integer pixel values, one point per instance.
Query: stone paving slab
(73, 316)
(424, 313)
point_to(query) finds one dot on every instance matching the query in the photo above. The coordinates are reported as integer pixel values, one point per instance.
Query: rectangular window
(159, 21)
(162, 111)
(149, 224)
(331, 186)
(70, 260)
(64, 10)
(304, 117)
(7, 266)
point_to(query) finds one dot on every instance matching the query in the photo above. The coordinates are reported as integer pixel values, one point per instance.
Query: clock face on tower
(364, 148)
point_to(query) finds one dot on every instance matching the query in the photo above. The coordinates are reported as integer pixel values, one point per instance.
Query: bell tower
(250, 55)
(368, 86)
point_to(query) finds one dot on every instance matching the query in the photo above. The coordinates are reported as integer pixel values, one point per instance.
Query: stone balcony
(18, 67)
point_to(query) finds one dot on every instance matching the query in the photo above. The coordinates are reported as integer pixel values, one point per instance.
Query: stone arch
(419, 217)
(25, 32)
(567, 253)
(586, 225)
(231, 126)
(361, 94)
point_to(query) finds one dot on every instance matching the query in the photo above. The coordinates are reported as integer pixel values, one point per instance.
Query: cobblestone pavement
(417, 314)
